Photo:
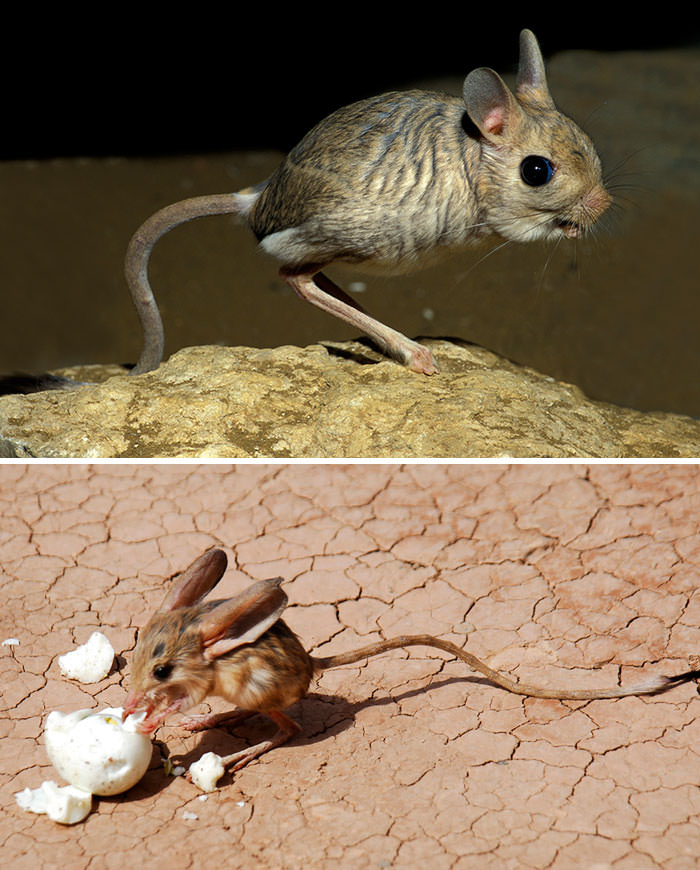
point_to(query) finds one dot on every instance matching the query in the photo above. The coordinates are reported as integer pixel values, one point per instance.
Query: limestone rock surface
(337, 401)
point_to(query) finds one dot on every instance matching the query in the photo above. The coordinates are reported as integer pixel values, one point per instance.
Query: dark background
(132, 81)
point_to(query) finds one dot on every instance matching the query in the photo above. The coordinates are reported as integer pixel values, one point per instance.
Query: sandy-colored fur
(393, 183)
(239, 649)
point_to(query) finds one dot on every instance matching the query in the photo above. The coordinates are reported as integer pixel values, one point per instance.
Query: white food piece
(207, 771)
(65, 804)
(171, 769)
(90, 662)
(95, 751)
(11, 641)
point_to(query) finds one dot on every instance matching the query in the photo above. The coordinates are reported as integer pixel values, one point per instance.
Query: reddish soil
(559, 574)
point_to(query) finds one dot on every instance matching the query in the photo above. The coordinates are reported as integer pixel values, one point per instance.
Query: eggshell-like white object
(95, 751)
(207, 771)
(65, 804)
(90, 662)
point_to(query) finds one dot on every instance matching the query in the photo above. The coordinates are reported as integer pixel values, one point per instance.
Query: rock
(339, 401)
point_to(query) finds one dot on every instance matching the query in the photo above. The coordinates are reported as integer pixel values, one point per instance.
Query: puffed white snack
(90, 662)
(96, 751)
(64, 804)
(207, 771)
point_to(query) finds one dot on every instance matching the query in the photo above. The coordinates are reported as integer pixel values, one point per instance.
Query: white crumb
(90, 662)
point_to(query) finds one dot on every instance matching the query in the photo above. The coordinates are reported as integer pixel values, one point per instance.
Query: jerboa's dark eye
(162, 672)
(535, 170)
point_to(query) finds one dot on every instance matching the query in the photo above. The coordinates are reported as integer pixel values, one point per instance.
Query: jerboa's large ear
(531, 81)
(196, 581)
(242, 619)
(490, 104)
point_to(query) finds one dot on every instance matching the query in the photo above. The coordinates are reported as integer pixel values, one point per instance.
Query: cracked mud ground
(565, 575)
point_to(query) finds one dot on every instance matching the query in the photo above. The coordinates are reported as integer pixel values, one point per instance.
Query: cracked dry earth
(561, 574)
